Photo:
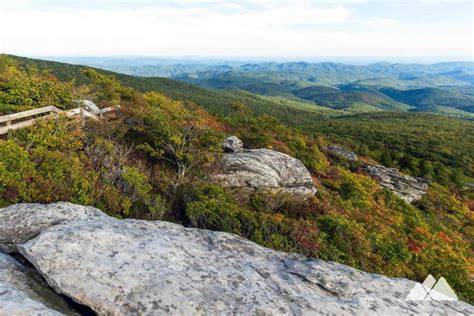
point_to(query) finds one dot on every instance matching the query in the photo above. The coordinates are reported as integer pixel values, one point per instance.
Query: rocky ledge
(134, 267)
(24, 292)
(406, 187)
(262, 169)
(341, 152)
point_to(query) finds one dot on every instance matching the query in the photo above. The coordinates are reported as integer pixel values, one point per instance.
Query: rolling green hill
(430, 97)
(450, 101)
(337, 99)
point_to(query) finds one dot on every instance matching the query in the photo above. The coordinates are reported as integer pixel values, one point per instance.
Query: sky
(250, 28)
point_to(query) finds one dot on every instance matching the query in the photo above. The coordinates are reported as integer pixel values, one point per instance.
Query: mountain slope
(216, 101)
(335, 98)
(430, 97)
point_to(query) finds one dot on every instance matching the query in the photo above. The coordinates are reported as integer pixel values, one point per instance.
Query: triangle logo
(432, 290)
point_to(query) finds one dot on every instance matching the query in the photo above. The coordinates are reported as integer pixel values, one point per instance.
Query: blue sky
(251, 28)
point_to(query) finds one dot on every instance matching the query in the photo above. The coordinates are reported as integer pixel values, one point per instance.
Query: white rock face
(132, 267)
(21, 222)
(23, 293)
(232, 144)
(341, 152)
(264, 169)
(406, 187)
(90, 106)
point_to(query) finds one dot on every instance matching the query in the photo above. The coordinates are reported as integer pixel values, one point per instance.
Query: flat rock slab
(264, 169)
(21, 222)
(23, 293)
(132, 267)
(408, 188)
(341, 152)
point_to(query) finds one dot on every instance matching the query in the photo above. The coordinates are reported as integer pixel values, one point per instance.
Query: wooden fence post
(82, 116)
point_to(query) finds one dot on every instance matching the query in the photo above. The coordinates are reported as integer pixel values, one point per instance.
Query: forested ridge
(152, 160)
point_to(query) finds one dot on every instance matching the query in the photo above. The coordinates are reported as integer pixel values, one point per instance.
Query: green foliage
(106, 90)
(211, 208)
(135, 185)
(46, 169)
(436, 147)
(15, 171)
(175, 137)
(22, 91)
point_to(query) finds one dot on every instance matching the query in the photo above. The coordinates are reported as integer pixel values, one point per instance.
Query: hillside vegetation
(152, 160)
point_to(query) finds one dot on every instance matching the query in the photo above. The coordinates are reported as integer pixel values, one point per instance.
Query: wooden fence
(28, 118)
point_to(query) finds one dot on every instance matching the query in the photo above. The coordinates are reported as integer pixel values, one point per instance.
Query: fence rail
(28, 118)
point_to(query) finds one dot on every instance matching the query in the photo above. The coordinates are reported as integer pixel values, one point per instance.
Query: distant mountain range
(444, 88)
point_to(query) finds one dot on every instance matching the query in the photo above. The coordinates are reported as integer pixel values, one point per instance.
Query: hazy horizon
(357, 60)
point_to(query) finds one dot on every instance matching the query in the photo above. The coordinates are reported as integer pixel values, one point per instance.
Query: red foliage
(415, 246)
(304, 234)
(444, 237)
(10, 194)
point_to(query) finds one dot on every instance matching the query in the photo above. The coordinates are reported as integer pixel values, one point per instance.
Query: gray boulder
(133, 267)
(232, 144)
(22, 292)
(21, 222)
(406, 187)
(90, 106)
(342, 152)
(264, 169)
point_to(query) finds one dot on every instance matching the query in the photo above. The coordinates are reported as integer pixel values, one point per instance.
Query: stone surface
(20, 222)
(22, 292)
(132, 267)
(90, 106)
(406, 187)
(232, 144)
(341, 152)
(264, 169)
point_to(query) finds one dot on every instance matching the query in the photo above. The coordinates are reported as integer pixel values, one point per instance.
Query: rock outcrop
(133, 267)
(341, 152)
(90, 106)
(262, 169)
(406, 187)
(232, 144)
(22, 292)
(21, 222)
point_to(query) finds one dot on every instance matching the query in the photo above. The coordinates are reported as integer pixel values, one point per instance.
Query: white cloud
(239, 28)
